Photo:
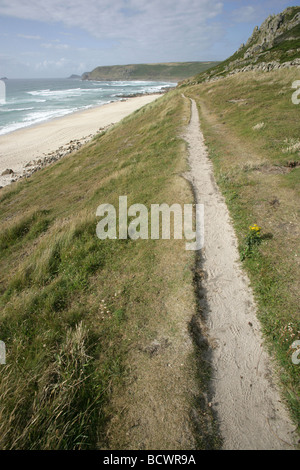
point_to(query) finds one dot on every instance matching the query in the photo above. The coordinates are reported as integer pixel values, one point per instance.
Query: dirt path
(245, 399)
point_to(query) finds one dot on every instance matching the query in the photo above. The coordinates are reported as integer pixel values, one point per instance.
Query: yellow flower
(255, 228)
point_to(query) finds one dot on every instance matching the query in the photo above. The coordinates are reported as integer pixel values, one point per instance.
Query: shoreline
(122, 98)
(44, 143)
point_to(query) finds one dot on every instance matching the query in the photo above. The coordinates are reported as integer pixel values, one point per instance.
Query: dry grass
(74, 309)
(261, 185)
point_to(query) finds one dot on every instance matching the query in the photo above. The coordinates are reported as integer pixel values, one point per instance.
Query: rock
(31, 167)
(259, 52)
(8, 171)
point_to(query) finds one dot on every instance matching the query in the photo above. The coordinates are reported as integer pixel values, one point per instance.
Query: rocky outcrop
(273, 27)
(273, 31)
(262, 67)
(273, 46)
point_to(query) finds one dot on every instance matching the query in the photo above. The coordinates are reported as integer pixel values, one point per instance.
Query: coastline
(46, 142)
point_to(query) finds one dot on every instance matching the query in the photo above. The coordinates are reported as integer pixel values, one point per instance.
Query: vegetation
(284, 47)
(72, 306)
(287, 45)
(172, 71)
(252, 131)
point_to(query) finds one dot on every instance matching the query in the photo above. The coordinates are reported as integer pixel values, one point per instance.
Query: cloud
(47, 64)
(50, 45)
(61, 65)
(9, 62)
(27, 36)
(130, 22)
(110, 32)
(245, 14)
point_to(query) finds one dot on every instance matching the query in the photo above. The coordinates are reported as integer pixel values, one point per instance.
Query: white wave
(38, 92)
(39, 116)
(55, 93)
(35, 118)
(70, 93)
(17, 101)
(75, 99)
(11, 127)
(15, 109)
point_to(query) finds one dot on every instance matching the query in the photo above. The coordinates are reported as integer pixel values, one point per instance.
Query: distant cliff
(172, 71)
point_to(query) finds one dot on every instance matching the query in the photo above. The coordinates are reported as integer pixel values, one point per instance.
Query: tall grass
(73, 305)
(260, 181)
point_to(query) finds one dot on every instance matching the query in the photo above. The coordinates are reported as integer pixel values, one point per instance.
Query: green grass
(289, 41)
(285, 48)
(292, 13)
(252, 170)
(164, 71)
(72, 305)
(27, 228)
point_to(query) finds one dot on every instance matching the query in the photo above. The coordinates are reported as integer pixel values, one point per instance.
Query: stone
(8, 171)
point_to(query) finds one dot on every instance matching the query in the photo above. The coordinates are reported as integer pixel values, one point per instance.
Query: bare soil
(245, 399)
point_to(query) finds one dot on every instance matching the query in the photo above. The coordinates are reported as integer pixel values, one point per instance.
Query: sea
(32, 101)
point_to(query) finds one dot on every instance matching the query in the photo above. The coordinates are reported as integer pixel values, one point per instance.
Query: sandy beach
(22, 146)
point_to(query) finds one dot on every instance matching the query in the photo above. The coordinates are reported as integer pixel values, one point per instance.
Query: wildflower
(255, 228)
(252, 239)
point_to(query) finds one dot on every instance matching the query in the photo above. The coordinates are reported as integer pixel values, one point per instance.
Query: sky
(57, 38)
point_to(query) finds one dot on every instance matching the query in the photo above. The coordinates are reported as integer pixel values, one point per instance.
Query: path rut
(245, 397)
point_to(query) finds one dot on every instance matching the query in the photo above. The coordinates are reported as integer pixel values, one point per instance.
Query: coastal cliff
(275, 45)
(171, 71)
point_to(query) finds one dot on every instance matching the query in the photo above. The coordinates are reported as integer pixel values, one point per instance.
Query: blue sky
(56, 38)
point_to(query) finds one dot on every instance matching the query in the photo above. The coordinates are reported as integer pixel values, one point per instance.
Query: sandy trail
(245, 398)
(19, 147)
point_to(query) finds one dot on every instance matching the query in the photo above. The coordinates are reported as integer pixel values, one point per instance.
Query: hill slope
(172, 71)
(74, 308)
(83, 319)
(275, 45)
(251, 127)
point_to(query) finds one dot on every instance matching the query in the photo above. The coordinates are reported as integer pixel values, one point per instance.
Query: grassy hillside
(73, 306)
(75, 310)
(267, 45)
(172, 71)
(252, 130)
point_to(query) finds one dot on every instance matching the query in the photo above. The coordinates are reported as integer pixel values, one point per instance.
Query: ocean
(32, 101)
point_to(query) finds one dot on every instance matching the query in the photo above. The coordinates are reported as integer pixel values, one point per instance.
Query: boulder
(8, 171)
